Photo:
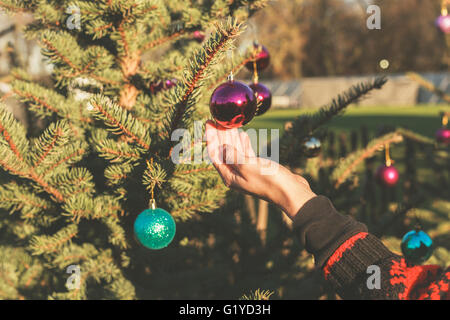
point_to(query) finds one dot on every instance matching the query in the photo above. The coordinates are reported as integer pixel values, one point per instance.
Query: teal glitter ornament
(154, 228)
(416, 246)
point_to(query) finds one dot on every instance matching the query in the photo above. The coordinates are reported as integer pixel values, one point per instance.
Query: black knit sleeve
(344, 249)
(321, 229)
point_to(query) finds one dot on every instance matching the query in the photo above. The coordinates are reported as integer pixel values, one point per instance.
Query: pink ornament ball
(443, 23)
(443, 136)
(387, 175)
(199, 36)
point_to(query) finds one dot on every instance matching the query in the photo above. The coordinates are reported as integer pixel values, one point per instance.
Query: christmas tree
(80, 183)
(126, 76)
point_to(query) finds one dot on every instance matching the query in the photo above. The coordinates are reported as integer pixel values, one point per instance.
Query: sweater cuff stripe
(337, 255)
(365, 251)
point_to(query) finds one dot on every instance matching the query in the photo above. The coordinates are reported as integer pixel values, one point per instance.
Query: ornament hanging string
(254, 31)
(255, 65)
(444, 10)
(256, 50)
(417, 225)
(152, 203)
(445, 120)
(387, 156)
(231, 75)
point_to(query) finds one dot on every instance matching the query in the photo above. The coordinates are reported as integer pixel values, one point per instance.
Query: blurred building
(400, 90)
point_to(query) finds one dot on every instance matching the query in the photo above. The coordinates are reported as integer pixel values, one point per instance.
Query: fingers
(214, 153)
(231, 153)
(212, 142)
(247, 144)
(231, 137)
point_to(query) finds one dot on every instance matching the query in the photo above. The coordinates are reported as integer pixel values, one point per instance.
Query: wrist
(293, 194)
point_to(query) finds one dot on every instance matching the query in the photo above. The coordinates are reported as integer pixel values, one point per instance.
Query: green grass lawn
(423, 119)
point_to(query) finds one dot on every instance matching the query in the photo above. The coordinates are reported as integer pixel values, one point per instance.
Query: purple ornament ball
(233, 104)
(443, 136)
(158, 86)
(262, 58)
(264, 97)
(387, 175)
(443, 23)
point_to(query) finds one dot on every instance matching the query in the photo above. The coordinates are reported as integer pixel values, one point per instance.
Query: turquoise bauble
(417, 247)
(154, 228)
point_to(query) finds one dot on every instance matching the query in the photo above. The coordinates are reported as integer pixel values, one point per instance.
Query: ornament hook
(231, 75)
(387, 156)
(444, 10)
(152, 203)
(445, 120)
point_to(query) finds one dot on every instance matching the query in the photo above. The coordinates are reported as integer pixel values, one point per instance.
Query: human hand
(233, 157)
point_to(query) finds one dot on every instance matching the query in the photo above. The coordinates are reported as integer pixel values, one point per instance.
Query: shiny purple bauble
(262, 58)
(264, 97)
(387, 176)
(199, 36)
(233, 104)
(443, 23)
(443, 136)
(163, 85)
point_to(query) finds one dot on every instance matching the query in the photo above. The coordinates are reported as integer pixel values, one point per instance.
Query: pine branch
(407, 134)
(429, 86)
(74, 254)
(12, 153)
(57, 134)
(8, 127)
(120, 121)
(195, 77)
(14, 197)
(118, 173)
(38, 102)
(163, 40)
(69, 154)
(87, 207)
(117, 234)
(114, 151)
(73, 181)
(339, 104)
(15, 6)
(154, 176)
(305, 125)
(347, 166)
(49, 244)
(258, 294)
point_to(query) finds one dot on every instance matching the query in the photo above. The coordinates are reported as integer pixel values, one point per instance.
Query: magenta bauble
(443, 135)
(233, 104)
(262, 58)
(198, 36)
(264, 97)
(387, 175)
(443, 23)
(168, 84)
